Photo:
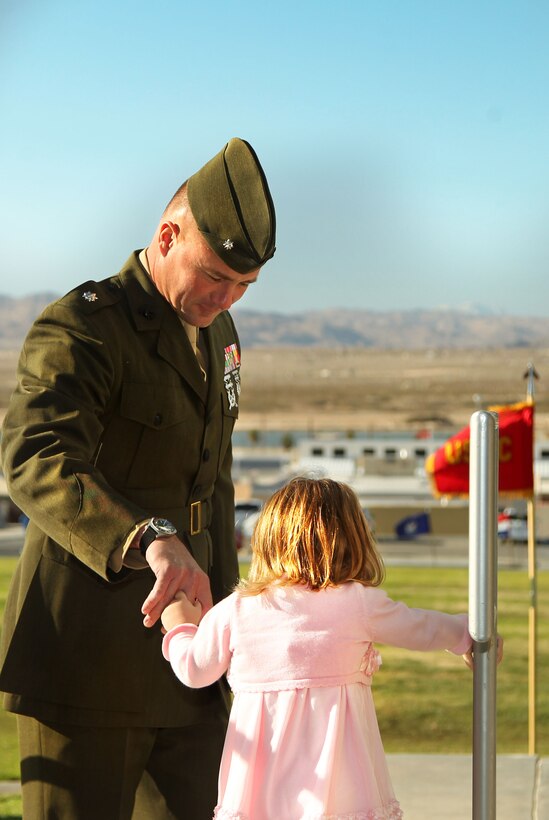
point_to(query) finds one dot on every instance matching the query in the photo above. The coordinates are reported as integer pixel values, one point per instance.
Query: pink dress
(303, 741)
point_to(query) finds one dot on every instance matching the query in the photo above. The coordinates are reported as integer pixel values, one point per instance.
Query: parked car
(512, 527)
(245, 516)
(370, 519)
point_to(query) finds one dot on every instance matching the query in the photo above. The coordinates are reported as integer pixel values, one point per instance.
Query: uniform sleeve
(52, 435)
(394, 623)
(200, 655)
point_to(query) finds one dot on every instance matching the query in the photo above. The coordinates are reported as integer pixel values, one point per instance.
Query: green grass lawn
(424, 700)
(10, 807)
(9, 753)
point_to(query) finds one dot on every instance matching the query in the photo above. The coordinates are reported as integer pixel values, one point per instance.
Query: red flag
(448, 467)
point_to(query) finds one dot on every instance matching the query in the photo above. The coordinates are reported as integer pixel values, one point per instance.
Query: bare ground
(366, 389)
(363, 389)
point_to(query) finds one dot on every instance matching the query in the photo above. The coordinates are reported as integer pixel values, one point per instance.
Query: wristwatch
(156, 528)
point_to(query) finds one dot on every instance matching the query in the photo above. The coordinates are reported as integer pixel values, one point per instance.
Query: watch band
(146, 540)
(157, 528)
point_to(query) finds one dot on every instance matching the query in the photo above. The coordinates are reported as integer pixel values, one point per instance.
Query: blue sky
(406, 143)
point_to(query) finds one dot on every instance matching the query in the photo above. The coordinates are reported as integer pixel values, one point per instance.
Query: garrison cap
(233, 208)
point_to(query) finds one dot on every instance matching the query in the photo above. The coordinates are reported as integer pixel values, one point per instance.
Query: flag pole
(483, 575)
(530, 375)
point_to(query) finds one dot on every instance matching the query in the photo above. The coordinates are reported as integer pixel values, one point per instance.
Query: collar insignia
(89, 296)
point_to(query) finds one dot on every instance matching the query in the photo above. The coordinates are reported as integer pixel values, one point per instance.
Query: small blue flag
(413, 525)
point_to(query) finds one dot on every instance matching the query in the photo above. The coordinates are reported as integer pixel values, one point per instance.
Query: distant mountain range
(17, 315)
(398, 329)
(390, 330)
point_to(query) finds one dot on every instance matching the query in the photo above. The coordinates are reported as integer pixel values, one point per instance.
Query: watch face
(163, 526)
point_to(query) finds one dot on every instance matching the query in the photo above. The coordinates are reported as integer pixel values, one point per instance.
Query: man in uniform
(117, 445)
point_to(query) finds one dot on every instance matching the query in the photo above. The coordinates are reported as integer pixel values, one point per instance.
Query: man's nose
(226, 295)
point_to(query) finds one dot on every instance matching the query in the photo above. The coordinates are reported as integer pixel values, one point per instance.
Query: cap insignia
(228, 244)
(89, 296)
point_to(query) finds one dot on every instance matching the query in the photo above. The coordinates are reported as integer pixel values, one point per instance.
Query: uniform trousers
(85, 773)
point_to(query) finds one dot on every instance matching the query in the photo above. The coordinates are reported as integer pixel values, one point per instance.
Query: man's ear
(167, 235)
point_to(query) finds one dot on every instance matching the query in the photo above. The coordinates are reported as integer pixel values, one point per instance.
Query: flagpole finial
(530, 374)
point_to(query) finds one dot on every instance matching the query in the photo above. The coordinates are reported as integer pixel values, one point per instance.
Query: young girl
(297, 641)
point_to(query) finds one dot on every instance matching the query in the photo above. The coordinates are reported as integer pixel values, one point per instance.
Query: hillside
(353, 370)
(388, 330)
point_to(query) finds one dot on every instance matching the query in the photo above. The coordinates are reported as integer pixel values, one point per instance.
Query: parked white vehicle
(513, 529)
(246, 514)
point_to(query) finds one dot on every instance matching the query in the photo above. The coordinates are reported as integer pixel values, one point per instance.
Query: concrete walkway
(439, 787)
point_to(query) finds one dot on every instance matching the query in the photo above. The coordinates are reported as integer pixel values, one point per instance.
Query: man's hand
(175, 569)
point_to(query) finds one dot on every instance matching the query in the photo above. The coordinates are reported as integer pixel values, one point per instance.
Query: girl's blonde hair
(314, 532)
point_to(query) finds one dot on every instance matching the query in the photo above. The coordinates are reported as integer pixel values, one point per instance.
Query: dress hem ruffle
(391, 811)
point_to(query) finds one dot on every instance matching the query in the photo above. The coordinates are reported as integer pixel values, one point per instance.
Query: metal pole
(532, 628)
(531, 374)
(483, 494)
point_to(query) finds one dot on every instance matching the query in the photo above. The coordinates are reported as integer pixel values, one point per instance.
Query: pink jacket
(294, 637)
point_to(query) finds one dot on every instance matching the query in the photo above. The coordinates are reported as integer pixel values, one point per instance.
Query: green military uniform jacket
(112, 422)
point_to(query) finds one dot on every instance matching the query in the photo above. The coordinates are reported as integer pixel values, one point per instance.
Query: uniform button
(157, 420)
(206, 455)
(197, 491)
(148, 314)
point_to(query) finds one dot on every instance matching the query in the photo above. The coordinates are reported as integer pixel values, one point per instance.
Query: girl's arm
(199, 655)
(394, 623)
